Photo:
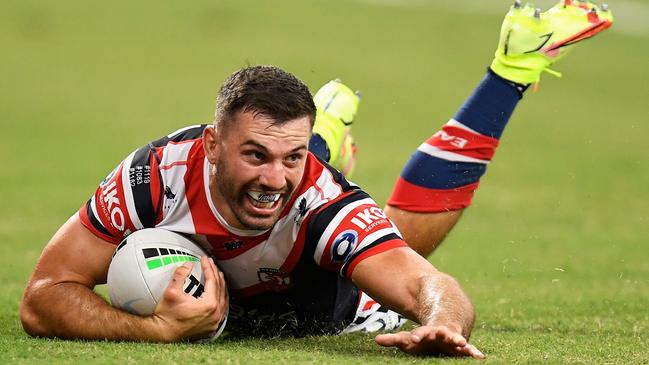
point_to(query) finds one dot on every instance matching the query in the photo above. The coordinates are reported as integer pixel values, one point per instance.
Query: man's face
(258, 167)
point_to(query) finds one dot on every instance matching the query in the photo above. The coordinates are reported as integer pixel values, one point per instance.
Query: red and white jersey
(329, 225)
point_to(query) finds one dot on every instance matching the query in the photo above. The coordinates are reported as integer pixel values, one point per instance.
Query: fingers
(220, 289)
(215, 293)
(449, 338)
(180, 274)
(400, 339)
(469, 350)
(211, 278)
(430, 340)
(223, 295)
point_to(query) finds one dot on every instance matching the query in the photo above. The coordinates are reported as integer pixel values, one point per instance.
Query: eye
(255, 156)
(294, 158)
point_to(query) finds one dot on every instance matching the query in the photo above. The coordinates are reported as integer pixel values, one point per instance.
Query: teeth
(517, 4)
(537, 13)
(605, 7)
(262, 197)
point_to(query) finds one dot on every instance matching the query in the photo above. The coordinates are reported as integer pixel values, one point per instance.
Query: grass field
(553, 253)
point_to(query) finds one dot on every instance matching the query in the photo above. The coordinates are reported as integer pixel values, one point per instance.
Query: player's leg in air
(438, 182)
(337, 106)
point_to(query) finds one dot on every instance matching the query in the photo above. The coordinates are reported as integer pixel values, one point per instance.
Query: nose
(273, 177)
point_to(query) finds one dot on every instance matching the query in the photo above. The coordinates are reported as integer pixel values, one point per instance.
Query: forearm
(410, 285)
(441, 302)
(73, 311)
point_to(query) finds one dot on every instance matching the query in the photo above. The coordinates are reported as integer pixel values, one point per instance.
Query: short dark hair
(266, 90)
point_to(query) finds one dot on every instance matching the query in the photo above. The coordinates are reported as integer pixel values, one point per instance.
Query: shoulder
(130, 197)
(185, 134)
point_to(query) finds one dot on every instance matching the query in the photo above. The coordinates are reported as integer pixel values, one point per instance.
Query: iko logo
(343, 245)
(109, 193)
(368, 216)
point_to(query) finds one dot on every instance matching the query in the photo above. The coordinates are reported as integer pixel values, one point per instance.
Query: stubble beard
(235, 197)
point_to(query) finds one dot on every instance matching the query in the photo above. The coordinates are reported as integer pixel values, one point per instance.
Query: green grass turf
(553, 252)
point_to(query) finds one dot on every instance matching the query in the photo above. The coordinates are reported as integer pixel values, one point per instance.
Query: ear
(211, 143)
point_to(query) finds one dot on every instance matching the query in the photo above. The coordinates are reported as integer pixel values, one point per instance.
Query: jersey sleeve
(127, 199)
(350, 229)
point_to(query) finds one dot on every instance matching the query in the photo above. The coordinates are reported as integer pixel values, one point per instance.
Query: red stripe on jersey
(85, 220)
(175, 163)
(156, 194)
(384, 246)
(414, 198)
(461, 141)
(298, 246)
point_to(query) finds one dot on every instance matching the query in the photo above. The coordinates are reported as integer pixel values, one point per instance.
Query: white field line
(631, 17)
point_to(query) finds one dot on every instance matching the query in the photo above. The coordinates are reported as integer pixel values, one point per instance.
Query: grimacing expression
(258, 167)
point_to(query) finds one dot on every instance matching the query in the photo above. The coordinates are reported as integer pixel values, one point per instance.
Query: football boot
(337, 106)
(531, 40)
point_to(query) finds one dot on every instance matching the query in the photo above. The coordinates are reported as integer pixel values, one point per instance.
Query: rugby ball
(143, 265)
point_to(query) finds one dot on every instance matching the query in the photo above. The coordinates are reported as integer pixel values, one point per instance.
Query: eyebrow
(262, 147)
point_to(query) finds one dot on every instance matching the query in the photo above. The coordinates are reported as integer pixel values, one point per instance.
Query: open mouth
(263, 200)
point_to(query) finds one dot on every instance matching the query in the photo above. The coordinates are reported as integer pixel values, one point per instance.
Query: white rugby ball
(143, 265)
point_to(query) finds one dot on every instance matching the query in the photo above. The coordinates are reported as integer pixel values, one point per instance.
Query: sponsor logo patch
(369, 218)
(343, 245)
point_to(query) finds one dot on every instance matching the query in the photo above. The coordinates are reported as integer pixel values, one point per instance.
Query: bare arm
(407, 283)
(59, 300)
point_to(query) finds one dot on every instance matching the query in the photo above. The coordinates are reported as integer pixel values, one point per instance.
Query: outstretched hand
(430, 340)
(181, 316)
